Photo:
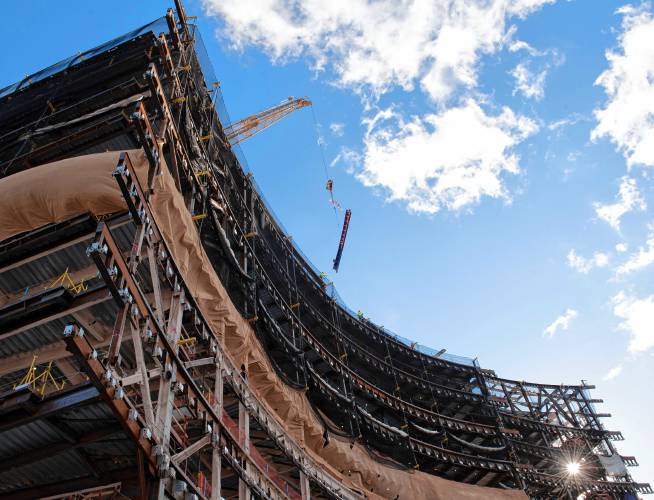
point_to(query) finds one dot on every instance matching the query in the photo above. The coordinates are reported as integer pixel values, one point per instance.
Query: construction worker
(322, 275)
(360, 314)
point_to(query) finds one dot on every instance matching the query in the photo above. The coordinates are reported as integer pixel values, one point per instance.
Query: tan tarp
(60, 190)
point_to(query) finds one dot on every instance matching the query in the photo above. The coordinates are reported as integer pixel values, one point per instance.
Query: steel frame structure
(181, 410)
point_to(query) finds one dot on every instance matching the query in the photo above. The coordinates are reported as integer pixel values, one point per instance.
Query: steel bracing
(154, 404)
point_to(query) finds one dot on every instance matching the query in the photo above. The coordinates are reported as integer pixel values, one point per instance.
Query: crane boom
(253, 124)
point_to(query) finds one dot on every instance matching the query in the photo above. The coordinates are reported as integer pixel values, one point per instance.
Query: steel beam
(51, 305)
(22, 406)
(53, 449)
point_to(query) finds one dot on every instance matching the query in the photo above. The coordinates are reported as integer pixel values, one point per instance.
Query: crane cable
(321, 146)
(334, 203)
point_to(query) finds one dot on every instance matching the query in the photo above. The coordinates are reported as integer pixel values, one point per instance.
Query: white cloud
(584, 265)
(637, 320)
(373, 47)
(568, 121)
(529, 83)
(628, 116)
(377, 45)
(628, 199)
(430, 162)
(613, 372)
(349, 158)
(638, 260)
(517, 45)
(338, 129)
(530, 75)
(560, 323)
(621, 247)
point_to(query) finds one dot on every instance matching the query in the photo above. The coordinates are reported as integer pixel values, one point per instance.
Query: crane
(253, 124)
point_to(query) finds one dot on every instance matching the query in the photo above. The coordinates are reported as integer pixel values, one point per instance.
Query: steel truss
(165, 370)
(155, 341)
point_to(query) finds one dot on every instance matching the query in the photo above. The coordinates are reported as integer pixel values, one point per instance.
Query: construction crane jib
(253, 124)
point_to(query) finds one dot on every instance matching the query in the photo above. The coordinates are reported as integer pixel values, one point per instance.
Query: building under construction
(162, 337)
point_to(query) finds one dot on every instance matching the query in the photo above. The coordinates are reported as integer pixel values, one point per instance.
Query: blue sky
(500, 192)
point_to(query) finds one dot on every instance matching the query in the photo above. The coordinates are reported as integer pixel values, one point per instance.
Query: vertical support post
(244, 437)
(142, 369)
(216, 458)
(123, 315)
(165, 401)
(244, 426)
(216, 466)
(117, 336)
(164, 405)
(243, 490)
(142, 485)
(305, 486)
(156, 284)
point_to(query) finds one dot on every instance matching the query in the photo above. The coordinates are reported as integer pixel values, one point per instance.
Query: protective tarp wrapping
(63, 189)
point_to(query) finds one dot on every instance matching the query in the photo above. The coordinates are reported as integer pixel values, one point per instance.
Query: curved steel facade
(411, 409)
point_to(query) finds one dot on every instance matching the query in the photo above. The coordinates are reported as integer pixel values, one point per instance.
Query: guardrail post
(244, 437)
(305, 486)
(216, 459)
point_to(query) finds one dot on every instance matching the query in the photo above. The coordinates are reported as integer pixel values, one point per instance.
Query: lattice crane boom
(253, 124)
